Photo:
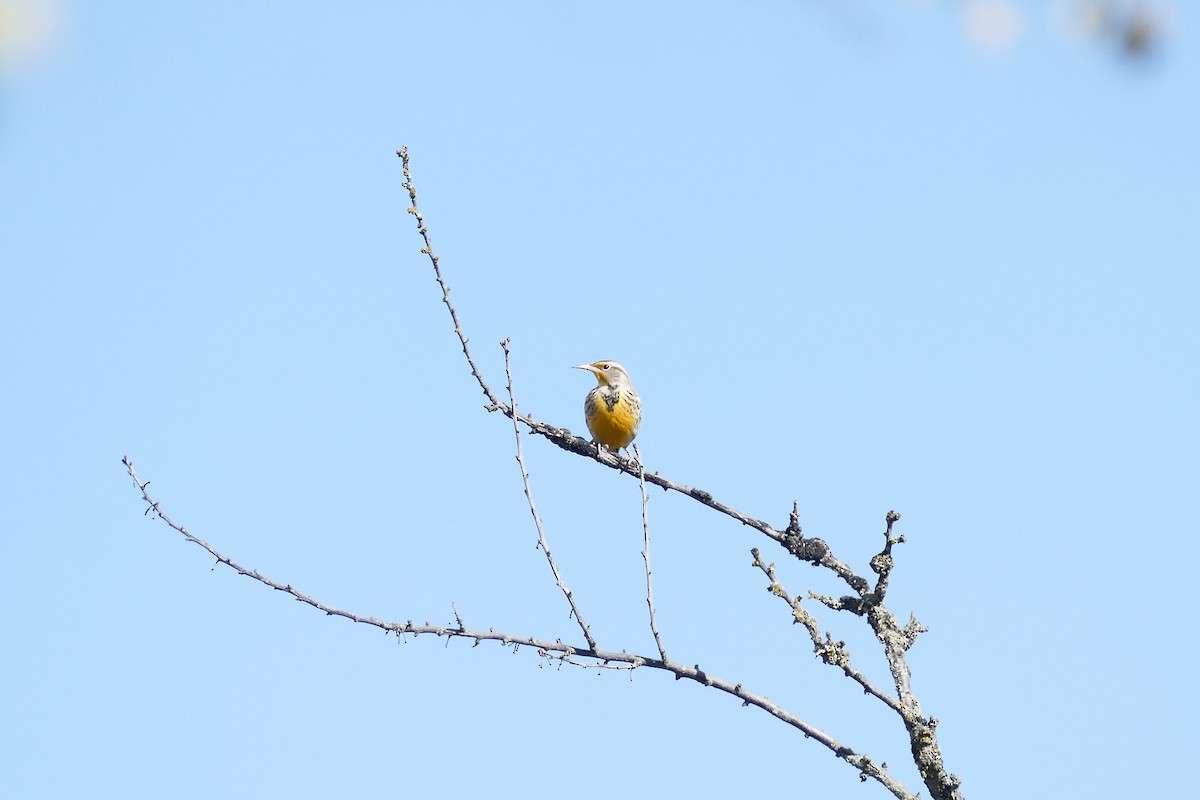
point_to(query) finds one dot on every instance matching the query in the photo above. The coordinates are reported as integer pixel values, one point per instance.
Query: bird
(613, 410)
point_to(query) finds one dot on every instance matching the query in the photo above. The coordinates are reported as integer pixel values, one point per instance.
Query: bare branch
(537, 520)
(557, 650)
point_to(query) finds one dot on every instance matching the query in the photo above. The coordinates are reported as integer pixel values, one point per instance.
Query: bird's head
(608, 373)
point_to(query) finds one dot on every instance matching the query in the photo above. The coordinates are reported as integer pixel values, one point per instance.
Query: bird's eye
(606, 366)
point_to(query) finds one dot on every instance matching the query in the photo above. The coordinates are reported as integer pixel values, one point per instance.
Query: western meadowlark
(613, 409)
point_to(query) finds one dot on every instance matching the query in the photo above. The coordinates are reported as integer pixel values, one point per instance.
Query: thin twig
(437, 271)
(557, 650)
(537, 520)
(646, 556)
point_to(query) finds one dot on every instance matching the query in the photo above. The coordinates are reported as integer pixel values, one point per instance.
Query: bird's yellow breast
(612, 416)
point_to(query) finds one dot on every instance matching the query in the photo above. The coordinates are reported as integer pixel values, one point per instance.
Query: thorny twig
(646, 556)
(537, 520)
(437, 271)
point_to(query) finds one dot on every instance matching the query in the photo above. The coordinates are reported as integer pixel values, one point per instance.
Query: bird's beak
(588, 367)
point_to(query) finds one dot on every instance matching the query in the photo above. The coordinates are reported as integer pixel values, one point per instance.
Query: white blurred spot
(992, 24)
(29, 29)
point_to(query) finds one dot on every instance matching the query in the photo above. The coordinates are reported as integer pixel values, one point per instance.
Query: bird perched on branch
(613, 409)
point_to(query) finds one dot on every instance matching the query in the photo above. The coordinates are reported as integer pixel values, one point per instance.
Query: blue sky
(851, 259)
